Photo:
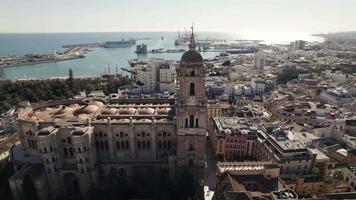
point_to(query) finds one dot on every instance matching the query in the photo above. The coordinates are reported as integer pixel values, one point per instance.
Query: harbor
(98, 59)
(73, 51)
(32, 59)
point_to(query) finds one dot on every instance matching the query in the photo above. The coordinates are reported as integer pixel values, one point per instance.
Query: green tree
(338, 176)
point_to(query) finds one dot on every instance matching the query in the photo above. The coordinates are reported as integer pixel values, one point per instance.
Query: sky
(312, 16)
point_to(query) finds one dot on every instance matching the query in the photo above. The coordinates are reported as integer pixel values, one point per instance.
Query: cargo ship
(182, 39)
(117, 44)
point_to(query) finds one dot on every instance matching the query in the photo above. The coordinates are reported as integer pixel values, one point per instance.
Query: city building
(233, 138)
(8, 120)
(148, 75)
(336, 97)
(298, 45)
(259, 62)
(68, 146)
(258, 86)
(281, 146)
(167, 78)
(250, 180)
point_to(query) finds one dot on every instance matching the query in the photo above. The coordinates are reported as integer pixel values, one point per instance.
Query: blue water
(98, 60)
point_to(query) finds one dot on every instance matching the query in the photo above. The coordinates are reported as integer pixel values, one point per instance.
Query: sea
(104, 60)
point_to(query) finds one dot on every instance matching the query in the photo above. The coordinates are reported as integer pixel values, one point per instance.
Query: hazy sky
(157, 15)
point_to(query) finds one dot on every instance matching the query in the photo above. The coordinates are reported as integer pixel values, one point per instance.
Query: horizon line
(170, 31)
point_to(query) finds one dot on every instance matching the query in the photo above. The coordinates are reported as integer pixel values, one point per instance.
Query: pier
(30, 59)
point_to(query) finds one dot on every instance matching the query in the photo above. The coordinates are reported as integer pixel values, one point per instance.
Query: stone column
(153, 139)
(132, 141)
(111, 139)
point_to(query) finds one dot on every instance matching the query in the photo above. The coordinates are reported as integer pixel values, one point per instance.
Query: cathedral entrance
(71, 184)
(29, 189)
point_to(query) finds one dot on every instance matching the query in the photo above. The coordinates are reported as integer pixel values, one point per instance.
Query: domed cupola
(192, 57)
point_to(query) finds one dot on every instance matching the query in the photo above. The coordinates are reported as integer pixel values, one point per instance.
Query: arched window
(127, 145)
(191, 163)
(35, 144)
(122, 144)
(97, 145)
(197, 123)
(191, 147)
(191, 121)
(106, 145)
(192, 73)
(65, 152)
(186, 123)
(143, 145)
(29, 143)
(122, 172)
(148, 145)
(71, 153)
(192, 89)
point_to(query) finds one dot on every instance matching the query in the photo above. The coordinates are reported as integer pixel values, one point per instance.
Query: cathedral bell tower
(192, 109)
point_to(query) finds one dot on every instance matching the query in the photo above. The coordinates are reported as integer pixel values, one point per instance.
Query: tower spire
(192, 44)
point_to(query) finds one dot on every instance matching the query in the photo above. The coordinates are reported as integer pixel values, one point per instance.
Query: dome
(146, 111)
(227, 131)
(43, 131)
(88, 109)
(163, 111)
(109, 111)
(78, 132)
(127, 111)
(191, 56)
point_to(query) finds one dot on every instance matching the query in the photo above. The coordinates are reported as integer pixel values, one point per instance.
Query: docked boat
(117, 44)
(182, 39)
(135, 62)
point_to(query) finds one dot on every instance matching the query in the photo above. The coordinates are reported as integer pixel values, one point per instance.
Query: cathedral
(68, 146)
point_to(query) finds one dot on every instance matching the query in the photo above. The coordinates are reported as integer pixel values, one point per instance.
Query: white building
(157, 77)
(259, 62)
(239, 89)
(148, 76)
(167, 78)
(8, 121)
(336, 76)
(336, 97)
(229, 89)
(350, 176)
(298, 45)
(247, 90)
(258, 86)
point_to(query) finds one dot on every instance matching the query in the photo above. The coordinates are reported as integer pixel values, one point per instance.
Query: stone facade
(74, 143)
